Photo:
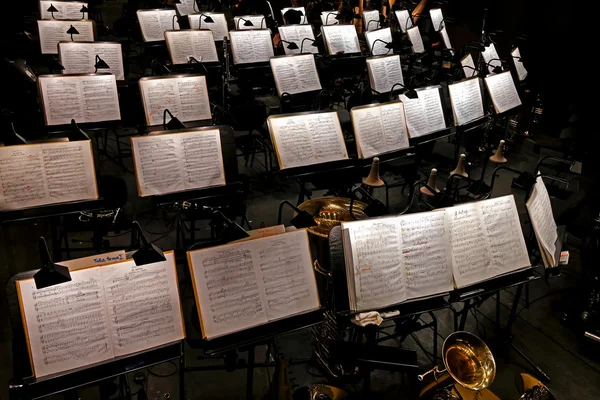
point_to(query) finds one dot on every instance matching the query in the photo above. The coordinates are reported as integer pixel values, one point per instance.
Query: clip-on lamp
(147, 252)
(232, 230)
(207, 18)
(313, 44)
(410, 93)
(290, 45)
(174, 123)
(72, 31)
(83, 10)
(50, 274)
(302, 219)
(388, 45)
(52, 10)
(100, 64)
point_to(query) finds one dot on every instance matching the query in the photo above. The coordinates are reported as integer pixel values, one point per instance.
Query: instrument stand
(299, 102)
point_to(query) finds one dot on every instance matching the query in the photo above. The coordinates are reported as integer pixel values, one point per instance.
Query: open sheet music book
(307, 138)
(394, 259)
(379, 128)
(102, 313)
(467, 61)
(258, 22)
(490, 55)
(185, 7)
(415, 39)
(53, 31)
(519, 67)
(218, 27)
(340, 39)
(82, 97)
(301, 9)
(80, 57)
(384, 34)
(295, 74)
(384, 72)
(251, 46)
(367, 17)
(185, 96)
(33, 175)
(328, 18)
(66, 10)
(404, 20)
(542, 220)
(154, 23)
(296, 34)
(466, 100)
(503, 91)
(184, 44)
(175, 162)
(247, 284)
(425, 114)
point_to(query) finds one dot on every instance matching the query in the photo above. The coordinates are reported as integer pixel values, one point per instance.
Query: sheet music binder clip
(50, 274)
(146, 253)
(174, 123)
(302, 219)
(77, 133)
(232, 230)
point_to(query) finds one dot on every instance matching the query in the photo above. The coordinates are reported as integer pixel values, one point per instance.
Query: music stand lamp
(50, 274)
(83, 10)
(327, 18)
(303, 219)
(313, 44)
(388, 45)
(72, 31)
(290, 45)
(232, 231)
(174, 123)
(480, 74)
(147, 252)
(369, 22)
(52, 10)
(247, 22)
(497, 68)
(410, 93)
(100, 64)
(207, 18)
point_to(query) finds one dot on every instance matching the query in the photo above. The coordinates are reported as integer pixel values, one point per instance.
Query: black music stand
(298, 102)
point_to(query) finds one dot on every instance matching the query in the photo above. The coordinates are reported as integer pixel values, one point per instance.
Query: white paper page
(154, 23)
(446, 39)
(520, 68)
(368, 16)
(202, 159)
(295, 74)
(296, 34)
(143, 305)
(52, 31)
(542, 219)
(470, 246)
(80, 58)
(184, 44)
(251, 46)
(94, 261)
(436, 18)
(379, 48)
(67, 324)
(426, 253)
(100, 98)
(22, 177)
(378, 265)
(415, 39)
(341, 39)
(384, 72)
(258, 22)
(468, 61)
(503, 91)
(302, 140)
(503, 229)
(328, 18)
(158, 168)
(425, 114)
(380, 129)
(66, 10)
(185, 7)
(490, 55)
(265, 232)
(218, 27)
(466, 100)
(301, 9)
(404, 20)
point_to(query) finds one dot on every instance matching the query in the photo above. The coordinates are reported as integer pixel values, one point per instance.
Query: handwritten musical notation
(191, 43)
(296, 74)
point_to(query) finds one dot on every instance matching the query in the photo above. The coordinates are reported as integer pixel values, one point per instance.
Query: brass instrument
(329, 212)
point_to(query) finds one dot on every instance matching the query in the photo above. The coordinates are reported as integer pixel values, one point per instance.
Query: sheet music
(301, 9)
(468, 61)
(490, 54)
(251, 46)
(169, 163)
(295, 74)
(66, 10)
(185, 7)
(404, 20)
(143, 304)
(80, 58)
(415, 39)
(184, 44)
(306, 139)
(426, 253)
(341, 39)
(94, 260)
(384, 34)
(154, 23)
(66, 324)
(258, 22)
(446, 39)
(34, 175)
(466, 100)
(436, 18)
(296, 34)
(542, 219)
(425, 114)
(53, 31)
(379, 129)
(328, 18)
(185, 96)
(519, 67)
(503, 91)
(378, 273)
(245, 284)
(368, 16)
(218, 27)
(384, 72)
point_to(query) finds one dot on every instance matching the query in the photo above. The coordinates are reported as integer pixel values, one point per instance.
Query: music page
(378, 48)
(542, 219)
(184, 44)
(53, 31)
(65, 10)
(154, 23)
(302, 140)
(185, 7)
(218, 27)
(328, 18)
(22, 177)
(384, 72)
(251, 46)
(258, 22)
(425, 114)
(297, 34)
(436, 18)
(341, 39)
(371, 20)
(379, 129)
(467, 61)
(519, 67)
(80, 58)
(503, 91)
(466, 100)
(295, 74)
(404, 20)
(490, 56)
(415, 39)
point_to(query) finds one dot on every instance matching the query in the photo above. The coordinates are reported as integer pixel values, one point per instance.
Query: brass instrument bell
(431, 183)
(460, 167)
(329, 212)
(373, 180)
(498, 157)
